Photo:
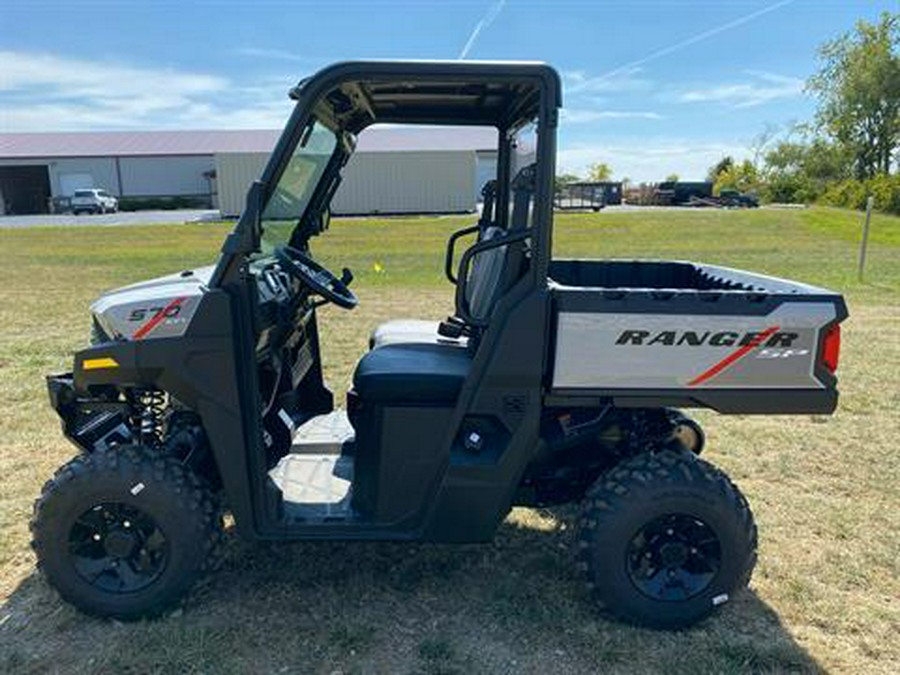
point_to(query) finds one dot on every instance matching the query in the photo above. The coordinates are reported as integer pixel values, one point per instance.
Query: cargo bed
(662, 333)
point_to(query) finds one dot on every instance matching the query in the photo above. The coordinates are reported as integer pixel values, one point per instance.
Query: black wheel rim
(117, 548)
(674, 558)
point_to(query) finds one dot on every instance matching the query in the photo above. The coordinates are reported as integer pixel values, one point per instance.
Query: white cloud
(57, 76)
(277, 55)
(46, 92)
(625, 80)
(761, 88)
(648, 158)
(580, 115)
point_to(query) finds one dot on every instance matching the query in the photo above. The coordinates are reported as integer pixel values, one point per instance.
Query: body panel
(127, 312)
(612, 350)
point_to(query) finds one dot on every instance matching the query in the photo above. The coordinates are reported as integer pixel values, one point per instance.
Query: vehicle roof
(496, 93)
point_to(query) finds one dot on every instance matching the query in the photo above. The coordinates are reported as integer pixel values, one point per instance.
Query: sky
(651, 87)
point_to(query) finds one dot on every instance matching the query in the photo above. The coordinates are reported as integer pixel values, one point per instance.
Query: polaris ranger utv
(551, 381)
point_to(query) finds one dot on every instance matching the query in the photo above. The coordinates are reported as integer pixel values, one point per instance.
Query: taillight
(831, 348)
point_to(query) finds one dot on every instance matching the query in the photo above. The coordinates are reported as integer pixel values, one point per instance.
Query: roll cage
(348, 97)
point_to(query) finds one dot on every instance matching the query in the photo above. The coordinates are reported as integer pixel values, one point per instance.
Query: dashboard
(284, 312)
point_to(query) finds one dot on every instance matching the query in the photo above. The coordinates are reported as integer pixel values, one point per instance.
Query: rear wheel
(664, 539)
(123, 533)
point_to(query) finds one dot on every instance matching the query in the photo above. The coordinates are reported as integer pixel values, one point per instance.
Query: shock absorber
(149, 415)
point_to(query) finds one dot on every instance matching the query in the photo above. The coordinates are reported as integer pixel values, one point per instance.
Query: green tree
(565, 179)
(672, 178)
(599, 172)
(743, 177)
(722, 165)
(818, 160)
(858, 91)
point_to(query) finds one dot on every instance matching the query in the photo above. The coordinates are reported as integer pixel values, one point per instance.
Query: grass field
(825, 490)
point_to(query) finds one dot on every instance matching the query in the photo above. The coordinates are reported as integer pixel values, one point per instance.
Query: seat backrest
(492, 272)
(484, 275)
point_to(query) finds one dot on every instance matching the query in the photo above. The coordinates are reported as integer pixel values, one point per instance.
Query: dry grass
(824, 490)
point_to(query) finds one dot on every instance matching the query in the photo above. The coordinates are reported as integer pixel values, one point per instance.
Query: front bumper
(91, 423)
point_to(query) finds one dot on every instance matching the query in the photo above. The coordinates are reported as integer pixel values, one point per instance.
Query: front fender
(198, 369)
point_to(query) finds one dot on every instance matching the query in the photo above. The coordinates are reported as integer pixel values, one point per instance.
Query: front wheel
(123, 533)
(664, 539)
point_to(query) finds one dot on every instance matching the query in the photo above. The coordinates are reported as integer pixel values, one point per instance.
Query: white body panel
(591, 352)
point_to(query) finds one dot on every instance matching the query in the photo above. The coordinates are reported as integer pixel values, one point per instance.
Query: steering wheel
(318, 279)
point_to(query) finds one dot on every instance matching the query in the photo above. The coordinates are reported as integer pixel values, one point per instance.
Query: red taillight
(831, 348)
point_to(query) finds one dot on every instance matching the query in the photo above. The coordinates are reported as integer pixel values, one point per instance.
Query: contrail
(684, 43)
(483, 23)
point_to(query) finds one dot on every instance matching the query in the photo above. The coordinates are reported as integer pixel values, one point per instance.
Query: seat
(485, 282)
(481, 293)
(419, 331)
(412, 373)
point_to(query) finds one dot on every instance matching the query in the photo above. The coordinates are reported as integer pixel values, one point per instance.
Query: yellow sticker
(96, 364)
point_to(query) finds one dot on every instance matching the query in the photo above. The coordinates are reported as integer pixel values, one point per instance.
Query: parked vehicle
(553, 381)
(581, 196)
(93, 200)
(731, 198)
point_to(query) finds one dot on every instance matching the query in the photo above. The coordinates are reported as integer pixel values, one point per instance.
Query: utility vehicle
(551, 381)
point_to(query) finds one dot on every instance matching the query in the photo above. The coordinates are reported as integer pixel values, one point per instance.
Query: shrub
(848, 194)
(790, 189)
(886, 191)
(162, 203)
(852, 194)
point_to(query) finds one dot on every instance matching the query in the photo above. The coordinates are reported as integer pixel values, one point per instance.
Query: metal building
(395, 169)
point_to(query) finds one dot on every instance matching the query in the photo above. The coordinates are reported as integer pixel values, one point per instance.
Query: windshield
(296, 185)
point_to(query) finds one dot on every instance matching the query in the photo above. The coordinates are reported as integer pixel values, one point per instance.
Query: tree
(599, 172)
(800, 171)
(818, 160)
(743, 177)
(672, 178)
(565, 179)
(763, 140)
(858, 91)
(722, 165)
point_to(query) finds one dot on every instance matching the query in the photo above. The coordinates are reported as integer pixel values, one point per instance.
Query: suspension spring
(149, 415)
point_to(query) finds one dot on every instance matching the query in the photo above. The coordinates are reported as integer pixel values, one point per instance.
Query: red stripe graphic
(733, 357)
(156, 320)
